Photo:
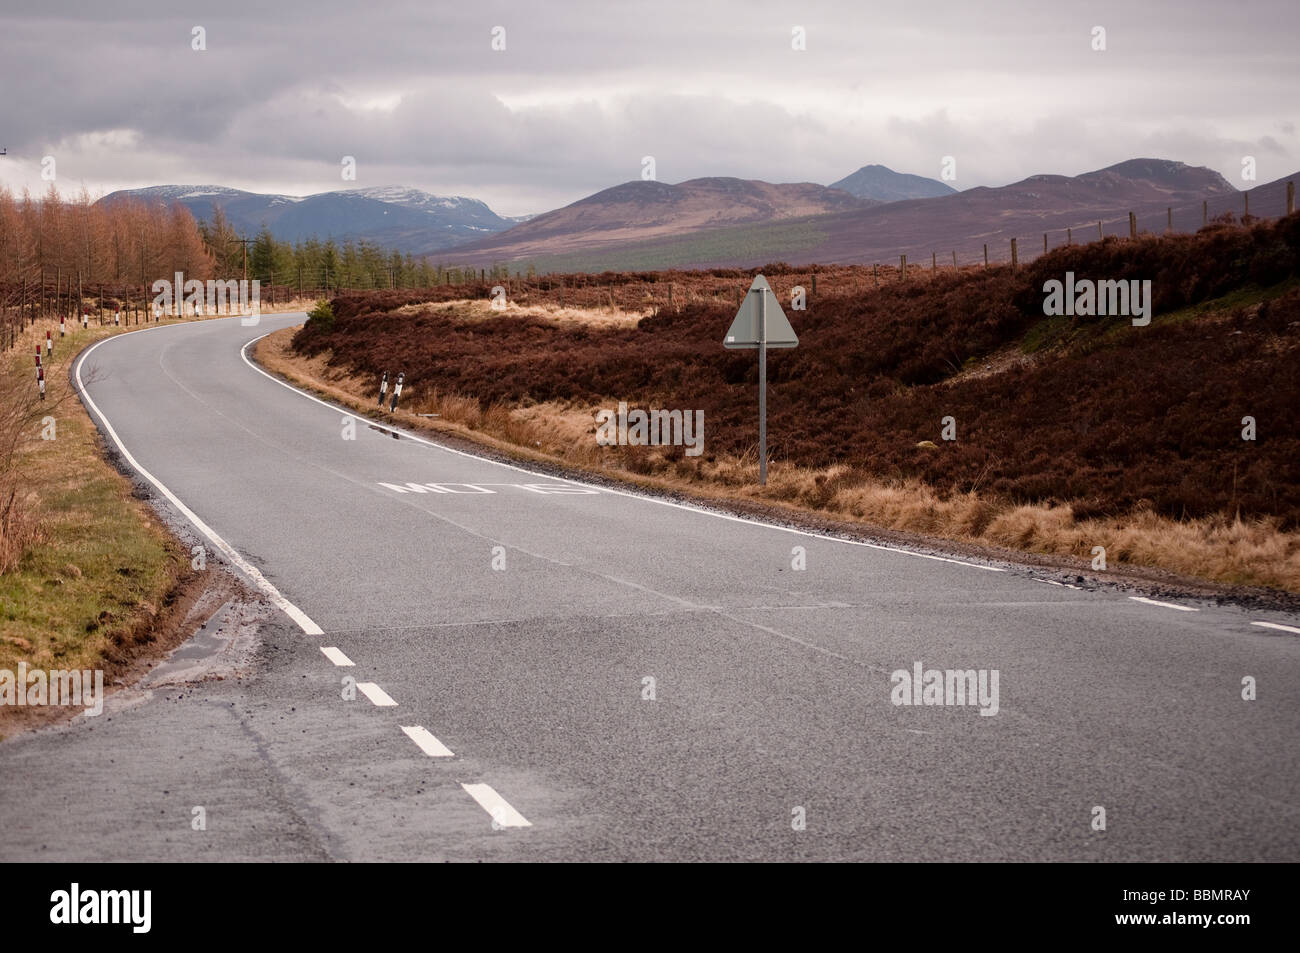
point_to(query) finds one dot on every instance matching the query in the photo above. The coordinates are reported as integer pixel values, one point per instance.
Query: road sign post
(761, 325)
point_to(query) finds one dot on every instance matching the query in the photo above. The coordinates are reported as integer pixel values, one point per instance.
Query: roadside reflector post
(761, 325)
(40, 381)
(397, 391)
(49, 344)
(383, 388)
(63, 327)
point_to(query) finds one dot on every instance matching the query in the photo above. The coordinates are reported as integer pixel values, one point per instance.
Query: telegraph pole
(245, 242)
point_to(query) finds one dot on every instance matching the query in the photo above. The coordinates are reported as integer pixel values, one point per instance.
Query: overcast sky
(583, 90)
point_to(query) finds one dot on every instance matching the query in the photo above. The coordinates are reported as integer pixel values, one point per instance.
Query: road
(586, 674)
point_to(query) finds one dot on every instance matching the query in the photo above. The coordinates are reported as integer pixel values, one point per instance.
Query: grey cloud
(1010, 89)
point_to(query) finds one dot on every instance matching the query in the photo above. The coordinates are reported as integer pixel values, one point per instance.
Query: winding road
(471, 661)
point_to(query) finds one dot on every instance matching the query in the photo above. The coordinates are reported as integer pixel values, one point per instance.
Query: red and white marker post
(397, 391)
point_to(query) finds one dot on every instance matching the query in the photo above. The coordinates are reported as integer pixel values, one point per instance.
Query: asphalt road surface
(580, 673)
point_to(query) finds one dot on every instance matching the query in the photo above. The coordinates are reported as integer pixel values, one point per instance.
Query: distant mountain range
(393, 216)
(875, 214)
(874, 231)
(646, 211)
(419, 222)
(885, 185)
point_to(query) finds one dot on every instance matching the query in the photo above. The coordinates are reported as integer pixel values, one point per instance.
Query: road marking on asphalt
(335, 656)
(334, 408)
(1278, 625)
(503, 815)
(427, 742)
(376, 694)
(1053, 582)
(1166, 605)
(557, 489)
(277, 599)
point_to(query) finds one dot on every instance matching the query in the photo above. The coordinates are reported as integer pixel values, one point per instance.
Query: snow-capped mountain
(397, 217)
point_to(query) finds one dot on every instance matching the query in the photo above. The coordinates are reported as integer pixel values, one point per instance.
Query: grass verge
(102, 583)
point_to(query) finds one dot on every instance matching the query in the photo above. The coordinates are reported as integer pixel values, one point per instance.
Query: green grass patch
(103, 564)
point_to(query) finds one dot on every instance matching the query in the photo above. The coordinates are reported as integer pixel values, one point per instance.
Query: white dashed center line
(503, 815)
(427, 742)
(335, 656)
(376, 694)
(1277, 625)
(1166, 605)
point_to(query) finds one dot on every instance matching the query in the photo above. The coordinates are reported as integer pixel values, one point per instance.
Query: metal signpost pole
(756, 327)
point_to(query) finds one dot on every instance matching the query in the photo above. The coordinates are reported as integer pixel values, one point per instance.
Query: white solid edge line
(377, 695)
(278, 600)
(335, 656)
(503, 815)
(1165, 605)
(602, 489)
(427, 742)
(1278, 625)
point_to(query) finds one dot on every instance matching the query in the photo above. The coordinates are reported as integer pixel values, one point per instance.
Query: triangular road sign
(744, 330)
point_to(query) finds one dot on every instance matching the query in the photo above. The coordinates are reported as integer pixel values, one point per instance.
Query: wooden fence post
(902, 265)
(1014, 260)
(1290, 197)
(1132, 225)
(986, 255)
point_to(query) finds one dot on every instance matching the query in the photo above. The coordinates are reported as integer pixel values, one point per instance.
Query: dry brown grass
(480, 309)
(1248, 552)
